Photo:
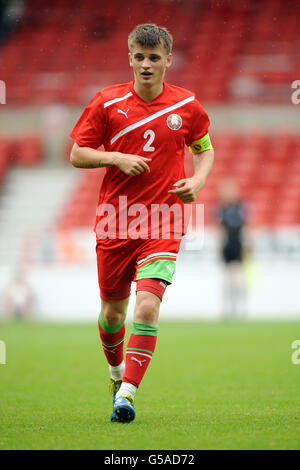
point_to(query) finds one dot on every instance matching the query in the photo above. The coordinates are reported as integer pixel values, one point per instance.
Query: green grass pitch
(209, 386)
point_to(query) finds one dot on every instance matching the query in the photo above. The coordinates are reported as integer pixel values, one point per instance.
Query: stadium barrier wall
(70, 293)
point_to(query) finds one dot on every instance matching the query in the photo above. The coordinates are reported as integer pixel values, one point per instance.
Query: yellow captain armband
(201, 145)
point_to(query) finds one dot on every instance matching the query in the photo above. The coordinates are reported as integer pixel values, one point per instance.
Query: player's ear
(169, 60)
(130, 59)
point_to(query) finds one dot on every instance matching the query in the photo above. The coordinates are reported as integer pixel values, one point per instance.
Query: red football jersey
(121, 121)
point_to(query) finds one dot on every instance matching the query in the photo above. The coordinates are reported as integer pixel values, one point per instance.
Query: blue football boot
(123, 409)
(114, 385)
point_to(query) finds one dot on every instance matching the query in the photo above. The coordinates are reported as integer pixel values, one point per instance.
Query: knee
(147, 310)
(112, 316)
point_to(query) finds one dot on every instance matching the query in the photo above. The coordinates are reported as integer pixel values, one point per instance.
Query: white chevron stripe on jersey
(151, 118)
(115, 100)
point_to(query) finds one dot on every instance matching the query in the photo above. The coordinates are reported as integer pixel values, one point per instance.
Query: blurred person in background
(234, 248)
(18, 298)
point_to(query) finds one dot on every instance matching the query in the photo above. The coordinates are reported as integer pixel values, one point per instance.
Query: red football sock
(141, 346)
(112, 341)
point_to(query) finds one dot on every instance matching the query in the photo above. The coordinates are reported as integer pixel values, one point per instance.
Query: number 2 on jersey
(150, 135)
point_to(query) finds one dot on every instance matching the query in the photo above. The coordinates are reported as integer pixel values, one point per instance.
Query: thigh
(116, 269)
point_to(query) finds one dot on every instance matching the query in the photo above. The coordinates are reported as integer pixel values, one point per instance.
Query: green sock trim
(144, 329)
(110, 329)
(139, 349)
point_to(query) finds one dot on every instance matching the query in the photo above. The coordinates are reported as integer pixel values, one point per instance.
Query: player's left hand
(187, 189)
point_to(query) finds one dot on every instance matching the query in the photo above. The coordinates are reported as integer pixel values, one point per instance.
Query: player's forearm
(86, 157)
(204, 164)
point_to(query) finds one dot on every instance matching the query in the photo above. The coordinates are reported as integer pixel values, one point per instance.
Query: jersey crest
(174, 122)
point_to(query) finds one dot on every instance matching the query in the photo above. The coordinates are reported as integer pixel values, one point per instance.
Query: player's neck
(148, 93)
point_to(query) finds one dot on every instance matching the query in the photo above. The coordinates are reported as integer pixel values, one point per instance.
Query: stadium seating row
(266, 168)
(234, 51)
(24, 151)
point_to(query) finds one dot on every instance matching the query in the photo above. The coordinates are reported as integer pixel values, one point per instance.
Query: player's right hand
(132, 165)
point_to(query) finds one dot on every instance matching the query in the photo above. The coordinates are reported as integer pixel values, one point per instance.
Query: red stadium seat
(28, 151)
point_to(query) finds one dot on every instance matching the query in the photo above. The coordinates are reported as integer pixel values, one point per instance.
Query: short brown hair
(150, 35)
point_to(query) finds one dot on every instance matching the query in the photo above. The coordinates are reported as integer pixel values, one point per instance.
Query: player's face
(149, 64)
